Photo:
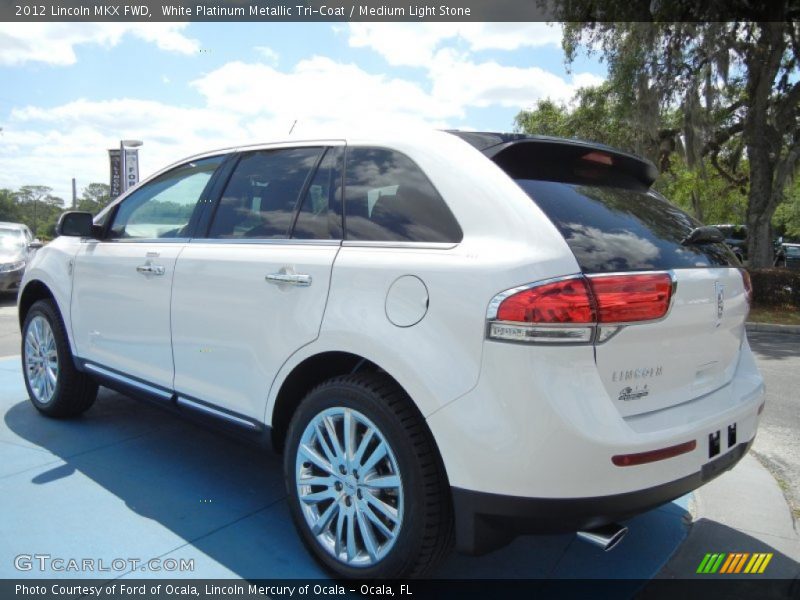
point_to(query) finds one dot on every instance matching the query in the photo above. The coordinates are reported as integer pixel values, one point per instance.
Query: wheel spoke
(325, 518)
(316, 497)
(362, 446)
(366, 535)
(349, 433)
(390, 512)
(339, 540)
(312, 480)
(337, 447)
(323, 443)
(376, 522)
(30, 340)
(315, 458)
(378, 454)
(383, 482)
(352, 551)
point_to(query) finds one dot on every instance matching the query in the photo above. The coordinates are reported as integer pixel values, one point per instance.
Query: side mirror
(35, 244)
(75, 224)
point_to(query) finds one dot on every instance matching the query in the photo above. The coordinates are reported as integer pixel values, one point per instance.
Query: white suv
(449, 336)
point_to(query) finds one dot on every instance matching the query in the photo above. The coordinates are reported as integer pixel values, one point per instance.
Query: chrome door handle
(299, 279)
(148, 269)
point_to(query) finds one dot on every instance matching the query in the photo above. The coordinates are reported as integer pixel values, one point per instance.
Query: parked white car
(449, 336)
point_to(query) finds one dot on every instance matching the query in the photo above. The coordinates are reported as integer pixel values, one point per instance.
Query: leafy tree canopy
(724, 91)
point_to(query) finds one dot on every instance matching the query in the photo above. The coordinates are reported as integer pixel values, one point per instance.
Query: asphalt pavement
(129, 480)
(9, 326)
(777, 444)
(156, 486)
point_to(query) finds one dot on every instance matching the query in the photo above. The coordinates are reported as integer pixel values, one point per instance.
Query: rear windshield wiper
(703, 235)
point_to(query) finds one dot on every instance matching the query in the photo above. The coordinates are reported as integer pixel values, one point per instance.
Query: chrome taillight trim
(494, 303)
(568, 336)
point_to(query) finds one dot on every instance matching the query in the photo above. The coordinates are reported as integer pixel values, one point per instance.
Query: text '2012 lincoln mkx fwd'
(451, 337)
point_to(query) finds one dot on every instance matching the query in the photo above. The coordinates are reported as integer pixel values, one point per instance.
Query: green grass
(781, 315)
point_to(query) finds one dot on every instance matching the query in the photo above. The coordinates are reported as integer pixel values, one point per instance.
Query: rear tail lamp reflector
(748, 286)
(641, 458)
(569, 310)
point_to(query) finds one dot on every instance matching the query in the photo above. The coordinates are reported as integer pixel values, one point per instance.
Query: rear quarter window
(389, 199)
(618, 229)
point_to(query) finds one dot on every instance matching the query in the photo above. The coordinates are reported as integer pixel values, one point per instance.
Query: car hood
(7, 256)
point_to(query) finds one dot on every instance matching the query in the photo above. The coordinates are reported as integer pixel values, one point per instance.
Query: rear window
(389, 199)
(620, 229)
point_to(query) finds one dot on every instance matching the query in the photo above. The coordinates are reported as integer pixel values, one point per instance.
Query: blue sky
(68, 92)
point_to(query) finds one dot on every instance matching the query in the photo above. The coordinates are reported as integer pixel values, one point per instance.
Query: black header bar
(396, 10)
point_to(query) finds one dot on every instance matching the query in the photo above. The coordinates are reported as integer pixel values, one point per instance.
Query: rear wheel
(366, 486)
(55, 387)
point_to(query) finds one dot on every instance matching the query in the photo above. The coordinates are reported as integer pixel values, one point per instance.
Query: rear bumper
(485, 522)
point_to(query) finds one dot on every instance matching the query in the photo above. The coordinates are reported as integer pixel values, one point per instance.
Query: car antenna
(291, 129)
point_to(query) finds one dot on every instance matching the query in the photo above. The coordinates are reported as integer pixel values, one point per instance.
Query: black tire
(74, 392)
(425, 534)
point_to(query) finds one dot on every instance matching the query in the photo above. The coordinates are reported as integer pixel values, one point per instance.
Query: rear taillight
(579, 309)
(631, 298)
(748, 286)
(565, 301)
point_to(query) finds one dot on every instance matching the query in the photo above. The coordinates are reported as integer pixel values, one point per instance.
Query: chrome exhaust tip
(605, 537)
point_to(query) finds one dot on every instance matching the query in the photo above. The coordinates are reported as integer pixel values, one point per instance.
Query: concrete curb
(743, 510)
(773, 328)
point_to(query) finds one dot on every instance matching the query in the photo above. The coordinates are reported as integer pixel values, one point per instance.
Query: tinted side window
(320, 215)
(616, 229)
(260, 198)
(162, 208)
(388, 198)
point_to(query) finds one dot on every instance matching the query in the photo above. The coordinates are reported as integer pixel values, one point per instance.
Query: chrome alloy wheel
(349, 486)
(41, 359)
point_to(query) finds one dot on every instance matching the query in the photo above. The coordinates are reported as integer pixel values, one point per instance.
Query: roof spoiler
(525, 156)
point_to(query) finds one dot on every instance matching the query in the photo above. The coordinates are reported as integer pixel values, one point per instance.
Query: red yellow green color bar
(734, 562)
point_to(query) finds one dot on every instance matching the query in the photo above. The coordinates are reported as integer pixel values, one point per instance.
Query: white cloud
(456, 80)
(319, 89)
(50, 146)
(55, 43)
(245, 102)
(268, 54)
(414, 44)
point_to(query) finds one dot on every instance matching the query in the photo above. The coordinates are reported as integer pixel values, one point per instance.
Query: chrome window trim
(138, 240)
(265, 241)
(128, 380)
(214, 412)
(398, 244)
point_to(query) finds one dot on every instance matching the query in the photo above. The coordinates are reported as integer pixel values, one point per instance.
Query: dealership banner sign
(131, 158)
(389, 10)
(115, 173)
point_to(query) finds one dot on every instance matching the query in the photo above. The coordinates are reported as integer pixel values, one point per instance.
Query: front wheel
(55, 387)
(366, 486)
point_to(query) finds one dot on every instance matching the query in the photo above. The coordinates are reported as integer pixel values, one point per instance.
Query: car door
(122, 283)
(254, 290)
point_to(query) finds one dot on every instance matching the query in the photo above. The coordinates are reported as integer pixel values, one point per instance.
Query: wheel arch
(305, 376)
(33, 291)
(309, 373)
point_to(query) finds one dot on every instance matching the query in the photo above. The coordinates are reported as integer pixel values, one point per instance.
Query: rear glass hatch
(601, 201)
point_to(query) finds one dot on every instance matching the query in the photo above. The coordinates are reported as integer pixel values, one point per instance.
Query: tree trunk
(760, 206)
(763, 142)
(697, 208)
